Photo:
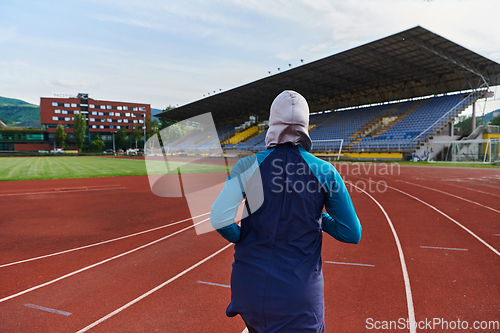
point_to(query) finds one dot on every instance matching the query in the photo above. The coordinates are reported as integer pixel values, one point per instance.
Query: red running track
(457, 281)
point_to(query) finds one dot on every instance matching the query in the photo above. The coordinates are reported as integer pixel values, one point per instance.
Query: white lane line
(100, 243)
(56, 192)
(348, 263)
(406, 278)
(97, 322)
(214, 284)
(96, 264)
(497, 234)
(473, 189)
(451, 219)
(492, 186)
(64, 313)
(463, 181)
(443, 248)
(453, 195)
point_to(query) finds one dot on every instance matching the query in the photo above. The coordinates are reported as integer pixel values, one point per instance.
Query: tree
(79, 126)
(97, 144)
(466, 125)
(136, 134)
(495, 121)
(121, 137)
(152, 127)
(60, 135)
(174, 132)
(165, 122)
(168, 108)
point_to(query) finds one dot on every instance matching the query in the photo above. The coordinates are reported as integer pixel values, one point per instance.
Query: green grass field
(84, 167)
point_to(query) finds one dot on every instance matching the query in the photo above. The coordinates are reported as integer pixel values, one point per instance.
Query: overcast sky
(165, 52)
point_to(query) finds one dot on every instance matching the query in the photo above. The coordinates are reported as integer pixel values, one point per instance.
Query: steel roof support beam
(450, 58)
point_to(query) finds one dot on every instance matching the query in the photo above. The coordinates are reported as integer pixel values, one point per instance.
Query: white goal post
(327, 147)
(463, 151)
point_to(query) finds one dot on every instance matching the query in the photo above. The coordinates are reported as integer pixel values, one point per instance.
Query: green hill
(489, 116)
(465, 123)
(15, 112)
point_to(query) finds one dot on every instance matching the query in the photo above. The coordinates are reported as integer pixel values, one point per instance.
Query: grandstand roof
(409, 64)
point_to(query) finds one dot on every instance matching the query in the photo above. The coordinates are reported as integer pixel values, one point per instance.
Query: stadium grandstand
(388, 98)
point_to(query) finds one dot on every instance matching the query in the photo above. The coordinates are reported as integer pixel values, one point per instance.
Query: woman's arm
(341, 222)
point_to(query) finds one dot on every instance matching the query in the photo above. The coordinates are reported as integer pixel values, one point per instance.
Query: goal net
(463, 151)
(328, 148)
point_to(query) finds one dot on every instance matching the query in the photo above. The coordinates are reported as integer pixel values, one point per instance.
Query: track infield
(29, 168)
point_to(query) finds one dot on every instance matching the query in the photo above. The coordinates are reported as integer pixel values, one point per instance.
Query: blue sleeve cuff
(346, 233)
(327, 224)
(231, 232)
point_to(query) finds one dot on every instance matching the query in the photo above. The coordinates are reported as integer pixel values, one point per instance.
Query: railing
(492, 129)
(453, 109)
(478, 131)
(399, 146)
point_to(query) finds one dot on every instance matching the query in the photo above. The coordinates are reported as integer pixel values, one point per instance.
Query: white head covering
(289, 121)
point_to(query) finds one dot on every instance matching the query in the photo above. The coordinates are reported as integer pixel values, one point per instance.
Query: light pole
(144, 127)
(114, 151)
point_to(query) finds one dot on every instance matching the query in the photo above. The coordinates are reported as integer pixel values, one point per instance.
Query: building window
(76, 112)
(134, 109)
(94, 113)
(125, 108)
(55, 118)
(94, 126)
(142, 109)
(34, 137)
(55, 104)
(66, 105)
(133, 114)
(101, 127)
(109, 107)
(111, 113)
(125, 120)
(57, 111)
(118, 127)
(135, 121)
(127, 114)
(117, 114)
(119, 108)
(120, 120)
(73, 105)
(111, 127)
(101, 113)
(92, 106)
(110, 120)
(64, 111)
(141, 121)
(67, 119)
(92, 119)
(103, 121)
(103, 106)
